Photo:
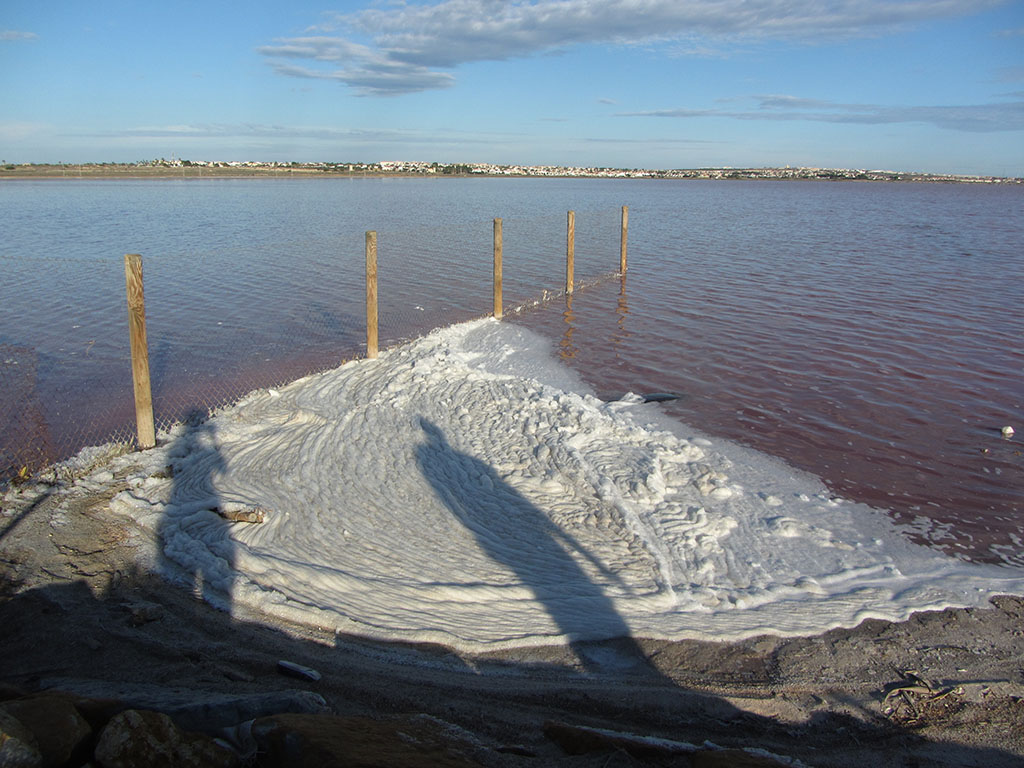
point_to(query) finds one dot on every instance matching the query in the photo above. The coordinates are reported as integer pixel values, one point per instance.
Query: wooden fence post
(371, 294)
(140, 350)
(622, 240)
(497, 268)
(570, 251)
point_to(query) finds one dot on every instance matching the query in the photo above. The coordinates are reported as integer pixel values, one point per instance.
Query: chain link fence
(224, 321)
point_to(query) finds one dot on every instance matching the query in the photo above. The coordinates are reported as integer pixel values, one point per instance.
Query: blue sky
(929, 85)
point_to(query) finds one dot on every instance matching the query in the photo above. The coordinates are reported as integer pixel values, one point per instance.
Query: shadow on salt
(465, 489)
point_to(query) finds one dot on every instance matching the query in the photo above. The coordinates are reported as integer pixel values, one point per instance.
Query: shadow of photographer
(544, 558)
(195, 540)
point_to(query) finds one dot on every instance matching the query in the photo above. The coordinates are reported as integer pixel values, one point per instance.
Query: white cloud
(457, 31)
(8, 35)
(406, 42)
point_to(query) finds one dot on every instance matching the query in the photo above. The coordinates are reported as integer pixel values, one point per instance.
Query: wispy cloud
(649, 142)
(240, 131)
(1010, 75)
(11, 131)
(388, 50)
(9, 35)
(982, 118)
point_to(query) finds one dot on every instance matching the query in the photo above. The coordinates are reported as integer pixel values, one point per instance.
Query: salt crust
(465, 489)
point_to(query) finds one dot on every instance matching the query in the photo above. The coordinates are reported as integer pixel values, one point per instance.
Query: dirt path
(80, 610)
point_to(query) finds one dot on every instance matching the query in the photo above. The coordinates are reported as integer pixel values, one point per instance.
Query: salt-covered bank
(465, 489)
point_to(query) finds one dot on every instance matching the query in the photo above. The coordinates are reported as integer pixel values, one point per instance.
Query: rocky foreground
(103, 663)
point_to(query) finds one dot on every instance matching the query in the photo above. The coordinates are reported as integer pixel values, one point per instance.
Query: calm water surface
(868, 333)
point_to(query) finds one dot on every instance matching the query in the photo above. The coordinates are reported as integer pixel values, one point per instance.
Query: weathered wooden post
(622, 240)
(371, 294)
(140, 350)
(497, 268)
(570, 251)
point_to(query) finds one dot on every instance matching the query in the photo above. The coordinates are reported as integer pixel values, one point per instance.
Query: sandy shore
(79, 610)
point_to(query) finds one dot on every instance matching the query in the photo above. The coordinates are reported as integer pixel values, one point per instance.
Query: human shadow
(83, 633)
(543, 556)
(194, 539)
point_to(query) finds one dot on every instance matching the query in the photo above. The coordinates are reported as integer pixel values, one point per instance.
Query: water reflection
(24, 429)
(620, 334)
(566, 348)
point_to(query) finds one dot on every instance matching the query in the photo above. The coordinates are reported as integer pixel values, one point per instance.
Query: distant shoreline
(188, 170)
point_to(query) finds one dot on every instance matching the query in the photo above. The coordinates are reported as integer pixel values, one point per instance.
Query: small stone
(241, 513)
(1007, 432)
(291, 669)
(661, 397)
(143, 612)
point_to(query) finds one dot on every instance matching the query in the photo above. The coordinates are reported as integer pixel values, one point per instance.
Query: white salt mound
(462, 490)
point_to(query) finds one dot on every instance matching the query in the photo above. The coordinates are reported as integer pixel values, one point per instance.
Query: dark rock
(8, 691)
(18, 747)
(141, 739)
(192, 709)
(732, 758)
(63, 736)
(96, 712)
(326, 741)
(515, 749)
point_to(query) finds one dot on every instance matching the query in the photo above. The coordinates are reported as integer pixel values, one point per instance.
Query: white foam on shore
(462, 489)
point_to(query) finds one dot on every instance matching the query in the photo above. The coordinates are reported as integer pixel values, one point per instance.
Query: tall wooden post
(140, 350)
(622, 240)
(371, 294)
(497, 268)
(570, 251)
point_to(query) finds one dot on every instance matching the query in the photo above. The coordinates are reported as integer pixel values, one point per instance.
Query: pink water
(868, 333)
(886, 365)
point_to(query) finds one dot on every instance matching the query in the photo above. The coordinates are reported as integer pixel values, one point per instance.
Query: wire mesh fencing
(226, 320)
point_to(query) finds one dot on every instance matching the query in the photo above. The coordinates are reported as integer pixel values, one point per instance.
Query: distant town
(199, 168)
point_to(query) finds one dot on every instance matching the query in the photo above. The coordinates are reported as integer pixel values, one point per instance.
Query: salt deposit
(465, 489)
